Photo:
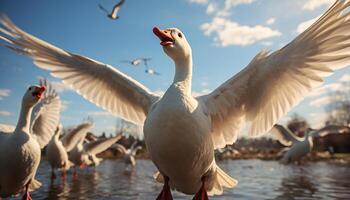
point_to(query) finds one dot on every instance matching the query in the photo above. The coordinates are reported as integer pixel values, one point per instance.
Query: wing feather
(273, 83)
(100, 145)
(47, 115)
(71, 139)
(101, 84)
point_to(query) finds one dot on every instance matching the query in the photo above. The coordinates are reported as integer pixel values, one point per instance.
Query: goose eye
(29, 88)
(180, 35)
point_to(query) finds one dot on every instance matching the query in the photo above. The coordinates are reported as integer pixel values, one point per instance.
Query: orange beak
(39, 91)
(164, 36)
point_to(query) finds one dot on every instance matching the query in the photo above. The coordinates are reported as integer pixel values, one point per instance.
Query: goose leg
(75, 174)
(202, 193)
(53, 175)
(26, 195)
(63, 174)
(165, 194)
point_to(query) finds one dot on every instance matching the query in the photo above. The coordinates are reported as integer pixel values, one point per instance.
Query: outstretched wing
(71, 139)
(119, 148)
(116, 8)
(272, 84)
(284, 135)
(47, 115)
(97, 82)
(103, 9)
(100, 145)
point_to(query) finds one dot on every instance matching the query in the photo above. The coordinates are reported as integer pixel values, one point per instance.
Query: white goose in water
(58, 149)
(181, 132)
(57, 155)
(20, 150)
(85, 154)
(301, 146)
(128, 154)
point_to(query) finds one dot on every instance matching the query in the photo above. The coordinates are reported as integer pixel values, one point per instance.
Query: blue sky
(224, 35)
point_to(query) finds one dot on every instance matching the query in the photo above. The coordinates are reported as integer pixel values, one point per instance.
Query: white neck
(183, 74)
(23, 123)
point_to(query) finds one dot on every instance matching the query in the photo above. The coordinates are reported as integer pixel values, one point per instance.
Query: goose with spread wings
(301, 146)
(182, 131)
(115, 10)
(58, 149)
(128, 154)
(21, 148)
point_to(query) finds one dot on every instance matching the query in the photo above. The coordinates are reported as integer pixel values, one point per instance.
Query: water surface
(257, 180)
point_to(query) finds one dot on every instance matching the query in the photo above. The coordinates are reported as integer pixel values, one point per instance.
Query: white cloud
(99, 114)
(4, 113)
(306, 24)
(4, 93)
(266, 43)
(271, 21)
(212, 7)
(320, 102)
(229, 32)
(325, 89)
(60, 87)
(314, 4)
(233, 3)
(317, 120)
(64, 105)
(199, 1)
(345, 78)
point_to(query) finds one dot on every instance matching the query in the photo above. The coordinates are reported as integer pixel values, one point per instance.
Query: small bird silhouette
(137, 61)
(151, 72)
(114, 14)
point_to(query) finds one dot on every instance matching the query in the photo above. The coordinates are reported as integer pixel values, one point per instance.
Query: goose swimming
(182, 131)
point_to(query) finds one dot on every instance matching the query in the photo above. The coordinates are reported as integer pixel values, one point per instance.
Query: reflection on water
(257, 180)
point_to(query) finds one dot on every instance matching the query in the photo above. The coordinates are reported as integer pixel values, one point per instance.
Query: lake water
(257, 180)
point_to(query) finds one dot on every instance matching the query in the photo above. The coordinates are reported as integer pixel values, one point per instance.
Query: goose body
(57, 154)
(21, 149)
(182, 131)
(22, 155)
(299, 147)
(177, 134)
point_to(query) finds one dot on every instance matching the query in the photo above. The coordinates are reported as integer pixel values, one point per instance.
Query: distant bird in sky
(114, 14)
(137, 61)
(151, 72)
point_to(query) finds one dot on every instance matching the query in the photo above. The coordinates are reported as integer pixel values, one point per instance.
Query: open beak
(38, 92)
(164, 36)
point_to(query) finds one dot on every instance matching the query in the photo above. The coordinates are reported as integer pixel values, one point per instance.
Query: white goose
(128, 154)
(85, 154)
(21, 149)
(57, 155)
(181, 132)
(301, 146)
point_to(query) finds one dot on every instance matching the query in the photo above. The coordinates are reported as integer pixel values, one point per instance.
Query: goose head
(174, 43)
(33, 95)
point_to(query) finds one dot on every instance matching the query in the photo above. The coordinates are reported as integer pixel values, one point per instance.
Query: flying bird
(151, 72)
(181, 131)
(58, 149)
(114, 14)
(137, 61)
(20, 150)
